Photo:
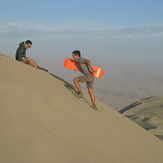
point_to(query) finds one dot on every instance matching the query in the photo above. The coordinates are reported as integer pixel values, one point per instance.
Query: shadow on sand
(130, 106)
(69, 86)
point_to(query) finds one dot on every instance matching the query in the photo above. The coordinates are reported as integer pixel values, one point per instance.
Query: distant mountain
(121, 87)
(148, 113)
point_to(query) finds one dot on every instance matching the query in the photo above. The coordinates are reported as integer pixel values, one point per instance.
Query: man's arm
(20, 53)
(90, 64)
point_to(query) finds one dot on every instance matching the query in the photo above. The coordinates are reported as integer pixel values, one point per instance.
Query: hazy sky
(108, 32)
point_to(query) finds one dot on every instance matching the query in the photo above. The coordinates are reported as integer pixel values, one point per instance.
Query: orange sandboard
(74, 65)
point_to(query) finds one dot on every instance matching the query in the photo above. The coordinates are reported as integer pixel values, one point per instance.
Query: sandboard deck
(74, 65)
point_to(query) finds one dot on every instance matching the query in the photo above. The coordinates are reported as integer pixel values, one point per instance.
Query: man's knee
(30, 60)
(90, 90)
(76, 80)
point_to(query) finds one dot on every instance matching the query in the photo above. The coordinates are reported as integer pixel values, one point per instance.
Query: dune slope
(41, 121)
(148, 113)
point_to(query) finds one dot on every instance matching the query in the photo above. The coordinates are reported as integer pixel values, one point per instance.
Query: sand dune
(41, 121)
(147, 113)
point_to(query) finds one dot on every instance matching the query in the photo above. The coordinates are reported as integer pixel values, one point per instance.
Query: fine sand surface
(41, 121)
(148, 113)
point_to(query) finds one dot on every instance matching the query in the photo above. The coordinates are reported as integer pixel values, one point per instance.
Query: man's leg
(31, 62)
(76, 82)
(92, 96)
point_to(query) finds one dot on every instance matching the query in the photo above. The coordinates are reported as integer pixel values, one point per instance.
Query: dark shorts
(88, 78)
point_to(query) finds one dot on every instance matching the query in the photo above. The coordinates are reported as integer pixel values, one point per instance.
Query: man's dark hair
(77, 52)
(28, 42)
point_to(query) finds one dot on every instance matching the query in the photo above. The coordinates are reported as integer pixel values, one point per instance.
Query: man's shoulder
(21, 44)
(81, 59)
